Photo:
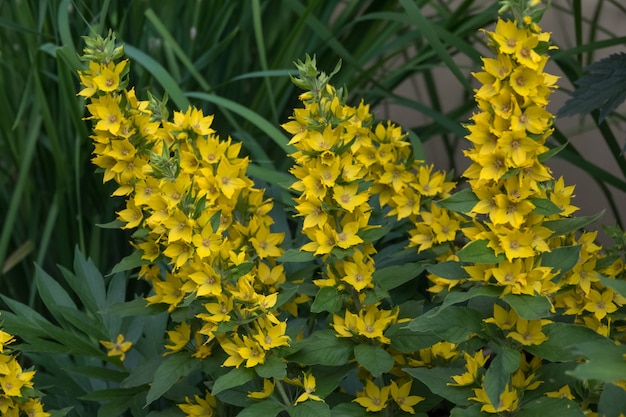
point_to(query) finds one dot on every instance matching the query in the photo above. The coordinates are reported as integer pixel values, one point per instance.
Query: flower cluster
(17, 396)
(348, 168)
(518, 207)
(203, 229)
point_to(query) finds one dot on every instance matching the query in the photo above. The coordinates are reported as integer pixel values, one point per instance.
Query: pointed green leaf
(562, 259)
(448, 269)
(612, 401)
(349, 410)
(172, 368)
(462, 296)
(406, 340)
(563, 340)
(565, 226)
(264, 408)
(478, 252)
(273, 367)
(128, 263)
(544, 207)
(373, 358)
(498, 374)
(296, 255)
(461, 202)
(550, 407)
(323, 347)
(617, 284)
(393, 276)
(529, 307)
(454, 324)
(327, 299)
(310, 409)
(234, 378)
(437, 380)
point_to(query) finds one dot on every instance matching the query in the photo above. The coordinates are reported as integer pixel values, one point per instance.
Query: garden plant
(359, 281)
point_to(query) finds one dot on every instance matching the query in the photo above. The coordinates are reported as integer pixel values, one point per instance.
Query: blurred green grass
(232, 59)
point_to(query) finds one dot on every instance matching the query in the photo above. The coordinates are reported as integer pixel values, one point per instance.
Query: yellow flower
(203, 407)
(509, 400)
(179, 337)
(515, 243)
(268, 389)
(308, 383)
(600, 304)
(117, 348)
(269, 336)
(266, 243)
(472, 364)
(401, 395)
(503, 319)
(109, 77)
(251, 352)
(528, 332)
(373, 398)
(508, 37)
(563, 392)
(348, 196)
(358, 274)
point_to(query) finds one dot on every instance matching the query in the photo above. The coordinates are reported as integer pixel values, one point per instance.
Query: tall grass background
(410, 59)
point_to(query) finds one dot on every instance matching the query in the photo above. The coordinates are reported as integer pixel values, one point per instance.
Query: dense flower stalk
(203, 229)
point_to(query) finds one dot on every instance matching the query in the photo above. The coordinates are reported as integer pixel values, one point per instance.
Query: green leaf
(172, 368)
(461, 202)
(136, 307)
(51, 293)
(405, 340)
(296, 255)
(373, 358)
(327, 299)
(617, 284)
(612, 401)
(273, 367)
(310, 409)
(144, 373)
(603, 87)
(565, 226)
(478, 252)
(550, 407)
(87, 282)
(374, 234)
(264, 408)
(498, 374)
(605, 362)
(563, 340)
(529, 307)
(552, 152)
(473, 411)
(168, 83)
(449, 270)
(234, 378)
(114, 224)
(562, 259)
(454, 324)
(323, 347)
(437, 380)
(544, 207)
(349, 410)
(393, 276)
(328, 378)
(462, 296)
(128, 263)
